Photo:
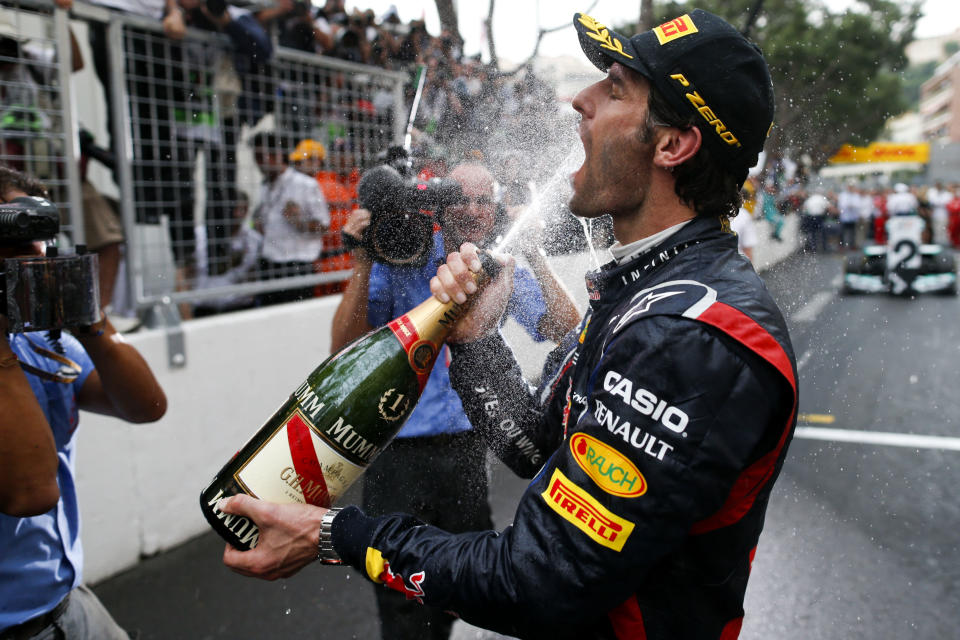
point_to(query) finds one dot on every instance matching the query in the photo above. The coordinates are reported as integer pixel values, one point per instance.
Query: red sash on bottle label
(305, 462)
(421, 354)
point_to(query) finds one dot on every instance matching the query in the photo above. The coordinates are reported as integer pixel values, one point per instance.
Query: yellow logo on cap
(676, 28)
(600, 33)
(706, 111)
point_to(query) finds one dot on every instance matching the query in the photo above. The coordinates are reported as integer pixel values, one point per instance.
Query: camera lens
(402, 239)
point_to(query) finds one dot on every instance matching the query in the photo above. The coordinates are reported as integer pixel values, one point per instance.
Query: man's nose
(581, 101)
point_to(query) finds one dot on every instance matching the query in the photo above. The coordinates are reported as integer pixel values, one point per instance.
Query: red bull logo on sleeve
(378, 569)
(583, 511)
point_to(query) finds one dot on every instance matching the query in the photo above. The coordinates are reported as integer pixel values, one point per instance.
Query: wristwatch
(326, 554)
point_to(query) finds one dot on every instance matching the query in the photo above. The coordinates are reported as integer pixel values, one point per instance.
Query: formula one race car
(904, 266)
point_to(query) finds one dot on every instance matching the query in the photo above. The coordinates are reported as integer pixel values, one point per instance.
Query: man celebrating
(667, 416)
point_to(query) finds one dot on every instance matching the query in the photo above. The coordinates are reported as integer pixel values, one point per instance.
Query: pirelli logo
(713, 120)
(583, 511)
(676, 28)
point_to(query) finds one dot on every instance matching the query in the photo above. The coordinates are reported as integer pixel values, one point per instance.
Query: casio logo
(646, 402)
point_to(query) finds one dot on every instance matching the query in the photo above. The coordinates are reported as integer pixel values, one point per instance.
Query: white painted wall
(139, 484)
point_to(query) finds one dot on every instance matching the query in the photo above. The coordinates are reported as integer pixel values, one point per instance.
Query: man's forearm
(28, 454)
(350, 319)
(561, 315)
(122, 384)
(500, 404)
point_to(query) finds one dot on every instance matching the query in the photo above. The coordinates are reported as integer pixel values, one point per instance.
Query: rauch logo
(611, 470)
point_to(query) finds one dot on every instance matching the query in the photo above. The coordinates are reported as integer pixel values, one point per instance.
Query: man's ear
(675, 146)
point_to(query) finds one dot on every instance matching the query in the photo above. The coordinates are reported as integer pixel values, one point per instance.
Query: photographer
(44, 381)
(437, 464)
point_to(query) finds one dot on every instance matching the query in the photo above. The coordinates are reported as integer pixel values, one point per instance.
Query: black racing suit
(660, 430)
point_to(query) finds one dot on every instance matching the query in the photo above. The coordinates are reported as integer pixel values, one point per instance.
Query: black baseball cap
(703, 66)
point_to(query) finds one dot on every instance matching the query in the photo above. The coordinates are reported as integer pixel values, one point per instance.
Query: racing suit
(655, 439)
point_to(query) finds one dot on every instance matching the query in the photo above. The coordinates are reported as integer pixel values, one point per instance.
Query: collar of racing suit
(606, 283)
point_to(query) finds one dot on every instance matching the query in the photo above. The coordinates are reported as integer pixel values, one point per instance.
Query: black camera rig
(50, 292)
(28, 218)
(401, 229)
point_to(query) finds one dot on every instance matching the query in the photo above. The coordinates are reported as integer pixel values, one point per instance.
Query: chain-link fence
(35, 108)
(234, 162)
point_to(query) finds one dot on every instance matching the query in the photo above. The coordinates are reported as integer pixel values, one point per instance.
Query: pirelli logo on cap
(583, 511)
(698, 103)
(676, 28)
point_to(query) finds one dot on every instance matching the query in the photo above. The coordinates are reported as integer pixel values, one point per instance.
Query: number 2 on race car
(904, 241)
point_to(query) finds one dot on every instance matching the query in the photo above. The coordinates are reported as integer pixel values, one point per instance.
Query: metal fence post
(123, 150)
(70, 133)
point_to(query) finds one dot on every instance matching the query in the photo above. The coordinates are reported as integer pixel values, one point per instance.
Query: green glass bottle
(335, 423)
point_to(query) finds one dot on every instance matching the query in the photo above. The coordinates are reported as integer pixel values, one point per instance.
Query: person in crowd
(661, 424)
(878, 217)
(339, 185)
(849, 204)
(902, 202)
(242, 261)
(813, 217)
(291, 215)
(44, 381)
(195, 117)
(103, 230)
(770, 210)
(938, 196)
(299, 25)
(953, 211)
(27, 76)
(742, 225)
(437, 465)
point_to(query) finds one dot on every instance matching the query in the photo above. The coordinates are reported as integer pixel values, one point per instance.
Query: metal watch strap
(325, 552)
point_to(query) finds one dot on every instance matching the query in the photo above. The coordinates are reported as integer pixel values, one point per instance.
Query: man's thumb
(237, 505)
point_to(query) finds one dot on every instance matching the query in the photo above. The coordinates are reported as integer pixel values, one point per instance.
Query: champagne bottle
(334, 424)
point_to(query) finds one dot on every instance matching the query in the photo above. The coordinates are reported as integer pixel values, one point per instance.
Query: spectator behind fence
(25, 107)
(245, 246)
(102, 228)
(196, 119)
(299, 25)
(339, 185)
(292, 216)
(43, 382)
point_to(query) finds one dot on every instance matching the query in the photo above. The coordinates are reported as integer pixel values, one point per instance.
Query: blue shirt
(394, 290)
(40, 557)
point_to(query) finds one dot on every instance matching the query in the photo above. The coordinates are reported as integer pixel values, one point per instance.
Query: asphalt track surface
(862, 532)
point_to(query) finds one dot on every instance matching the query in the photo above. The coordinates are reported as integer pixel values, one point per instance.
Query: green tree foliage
(836, 75)
(913, 77)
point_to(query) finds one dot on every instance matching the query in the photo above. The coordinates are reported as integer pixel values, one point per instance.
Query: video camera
(26, 219)
(48, 293)
(400, 233)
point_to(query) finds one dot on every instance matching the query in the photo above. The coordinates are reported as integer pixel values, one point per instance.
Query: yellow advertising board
(882, 152)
